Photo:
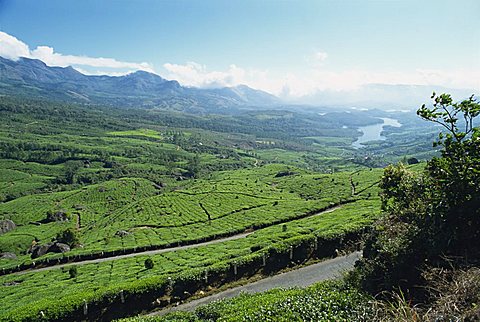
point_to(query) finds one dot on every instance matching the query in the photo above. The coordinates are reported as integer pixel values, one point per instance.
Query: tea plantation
(84, 187)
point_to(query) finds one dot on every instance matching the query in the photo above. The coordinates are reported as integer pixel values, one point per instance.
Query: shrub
(73, 272)
(428, 215)
(69, 237)
(149, 263)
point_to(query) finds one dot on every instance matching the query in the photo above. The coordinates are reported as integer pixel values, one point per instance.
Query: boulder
(55, 247)
(40, 250)
(59, 248)
(8, 255)
(6, 225)
(122, 233)
(57, 216)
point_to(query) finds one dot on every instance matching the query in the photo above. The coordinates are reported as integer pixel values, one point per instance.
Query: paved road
(157, 251)
(302, 277)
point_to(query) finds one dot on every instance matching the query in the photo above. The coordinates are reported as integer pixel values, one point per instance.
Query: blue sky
(290, 48)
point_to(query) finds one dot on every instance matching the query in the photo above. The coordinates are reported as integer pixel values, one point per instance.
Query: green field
(226, 203)
(130, 181)
(96, 279)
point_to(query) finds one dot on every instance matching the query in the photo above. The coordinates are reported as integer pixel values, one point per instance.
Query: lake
(374, 132)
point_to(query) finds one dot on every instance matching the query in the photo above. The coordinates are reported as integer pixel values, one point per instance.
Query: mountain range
(33, 78)
(382, 96)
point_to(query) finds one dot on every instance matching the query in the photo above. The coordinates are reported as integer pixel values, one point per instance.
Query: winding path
(302, 277)
(160, 251)
(148, 252)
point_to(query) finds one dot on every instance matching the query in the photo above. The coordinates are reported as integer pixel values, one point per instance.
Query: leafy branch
(445, 111)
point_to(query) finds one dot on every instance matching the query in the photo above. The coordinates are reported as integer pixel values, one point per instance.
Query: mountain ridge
(138, 89)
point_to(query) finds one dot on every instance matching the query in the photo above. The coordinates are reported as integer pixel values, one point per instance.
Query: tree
(69, 237)
(71, 170)
(193, 166)
(431, 214)
(446, 113)
(412, 160)
(456, 174)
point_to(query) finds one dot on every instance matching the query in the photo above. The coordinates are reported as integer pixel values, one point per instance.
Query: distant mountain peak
(33, 77)
(142, 73)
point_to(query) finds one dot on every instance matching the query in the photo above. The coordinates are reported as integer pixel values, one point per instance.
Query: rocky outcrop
(122, 233)
(59, 248)
(8, 255)
(6, 225)
(40, 250)
(54, 247)
(57, 216)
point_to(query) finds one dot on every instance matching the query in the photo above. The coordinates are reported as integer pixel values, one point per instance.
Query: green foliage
(326, 301)
(71, 171)
(403, 192)
(447, 113)
(429, 214)
(72, 271)
(455, 176)
(122, 182)
(176, 316)
(148, 263)
(189, 264)
(193, 166)
(69, 237)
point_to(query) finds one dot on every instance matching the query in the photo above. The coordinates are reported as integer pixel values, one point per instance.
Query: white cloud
(197, 75)
(194, 74)
(51, 58)
(109, 72)
(295, 85)
(319, 58)
(289, 85)
(12, 48)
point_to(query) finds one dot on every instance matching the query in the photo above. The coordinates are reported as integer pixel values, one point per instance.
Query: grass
(55, 283)
(326, 301)
(234, 201)
(133, 174)
(139, 132)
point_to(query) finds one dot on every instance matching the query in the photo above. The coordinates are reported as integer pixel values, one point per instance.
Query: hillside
(82, 184)
(102, 207)
(225, 161)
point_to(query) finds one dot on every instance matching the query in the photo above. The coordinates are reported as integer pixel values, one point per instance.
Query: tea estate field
(281, 205)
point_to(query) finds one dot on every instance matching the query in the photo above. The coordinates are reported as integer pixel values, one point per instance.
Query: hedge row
(147, 294)
(124, 251)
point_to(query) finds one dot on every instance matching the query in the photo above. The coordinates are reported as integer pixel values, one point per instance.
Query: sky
(297, 50)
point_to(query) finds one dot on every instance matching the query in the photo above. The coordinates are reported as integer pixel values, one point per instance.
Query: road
(148, 252)
(157, 251)
(302, 277)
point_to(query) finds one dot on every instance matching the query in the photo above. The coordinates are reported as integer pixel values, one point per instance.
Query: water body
(374, 132)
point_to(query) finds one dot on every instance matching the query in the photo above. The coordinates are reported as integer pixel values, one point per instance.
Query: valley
(222, 199)
(226, 161)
